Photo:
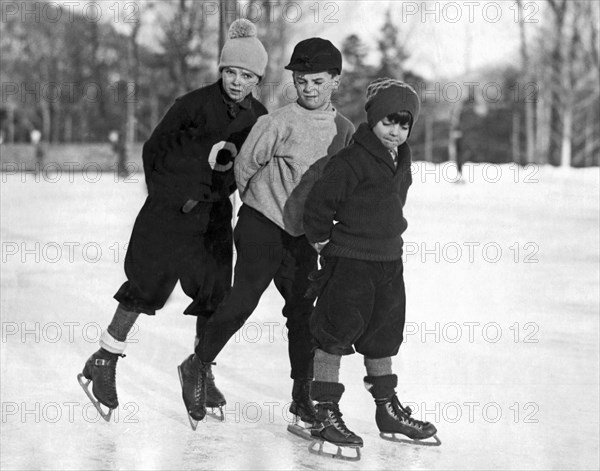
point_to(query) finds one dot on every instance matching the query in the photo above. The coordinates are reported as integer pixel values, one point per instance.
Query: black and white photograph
(349, 234)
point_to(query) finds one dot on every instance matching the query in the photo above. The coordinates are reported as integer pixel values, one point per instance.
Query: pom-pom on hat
(243, 49)
(386, 96)
(315, 55)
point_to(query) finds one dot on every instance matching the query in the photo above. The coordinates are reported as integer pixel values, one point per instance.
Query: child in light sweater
(275, 169)
(354, 217)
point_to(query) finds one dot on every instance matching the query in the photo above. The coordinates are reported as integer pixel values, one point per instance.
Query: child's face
(391, 134)
(315, 89)
(238, 82)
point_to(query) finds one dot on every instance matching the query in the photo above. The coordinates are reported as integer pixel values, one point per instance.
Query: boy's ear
(336, 82)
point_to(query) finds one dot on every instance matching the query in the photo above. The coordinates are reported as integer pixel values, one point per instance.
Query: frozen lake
(502, 349)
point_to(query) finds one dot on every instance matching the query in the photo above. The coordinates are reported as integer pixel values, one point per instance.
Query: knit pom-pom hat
(243, 49)
(386, 96)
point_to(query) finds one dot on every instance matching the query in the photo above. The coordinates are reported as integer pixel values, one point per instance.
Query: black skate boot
(100, 369)
(192, 375)
(393, 418)
(303, 409)
(330, 427)
(214, 397)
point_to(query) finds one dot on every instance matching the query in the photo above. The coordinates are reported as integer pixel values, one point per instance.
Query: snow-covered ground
(501, 353)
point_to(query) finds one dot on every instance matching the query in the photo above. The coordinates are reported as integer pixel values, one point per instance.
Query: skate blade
(193, 422)
(300, 431)
(391, 437)
(85, 385)
(316, 448)
(217, 415)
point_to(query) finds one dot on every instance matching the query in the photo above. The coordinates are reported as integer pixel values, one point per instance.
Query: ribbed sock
(114, 337)
(326, 366)
(378, 366)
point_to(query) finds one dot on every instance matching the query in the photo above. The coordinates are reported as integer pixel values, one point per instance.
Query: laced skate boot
(301, 405)
(393, 418)
(214, 397)
(101, 369)
(330, 427)
(303, 409)
(192, 375)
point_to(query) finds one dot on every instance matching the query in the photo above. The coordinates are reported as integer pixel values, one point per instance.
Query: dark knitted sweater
(363, 191)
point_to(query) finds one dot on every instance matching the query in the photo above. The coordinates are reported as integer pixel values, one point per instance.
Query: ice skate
(303, 410)
(214, 397)
(100, 370)
(192, 375)
(331, 429)
(394, 420)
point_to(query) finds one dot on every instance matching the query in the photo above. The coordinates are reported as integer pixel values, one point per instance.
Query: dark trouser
(362, 305)
(266, 253)
(167, 246)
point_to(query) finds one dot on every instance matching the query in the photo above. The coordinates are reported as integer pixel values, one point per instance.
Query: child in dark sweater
(353, 217)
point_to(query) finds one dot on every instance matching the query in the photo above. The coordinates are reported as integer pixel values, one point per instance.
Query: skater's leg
(298, 261)
(100, 368)
(118, 329)
(258, 242)
(378, 366)
(380, 341)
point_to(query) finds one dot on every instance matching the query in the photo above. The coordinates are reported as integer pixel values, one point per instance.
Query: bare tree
(528, 78)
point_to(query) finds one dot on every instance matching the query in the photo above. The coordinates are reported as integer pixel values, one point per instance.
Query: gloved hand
(225, 157)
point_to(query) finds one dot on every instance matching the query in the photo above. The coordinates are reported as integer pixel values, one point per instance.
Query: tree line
(77, 80)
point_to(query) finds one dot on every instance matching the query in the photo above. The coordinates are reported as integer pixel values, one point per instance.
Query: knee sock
(200, 324)
(378, 366)
(326, 366)
(114, 337)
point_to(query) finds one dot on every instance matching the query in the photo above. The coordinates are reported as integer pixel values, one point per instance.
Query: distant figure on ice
(38, 150)
(117, 141)
(183, 231)
(455, 144)
(279, 162)
(354, 219)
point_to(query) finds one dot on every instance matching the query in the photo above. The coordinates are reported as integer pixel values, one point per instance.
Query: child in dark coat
(183, 231)
(354, 217)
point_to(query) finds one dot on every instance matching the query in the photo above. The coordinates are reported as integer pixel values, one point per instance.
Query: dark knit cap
(386, 96)
(315, 55)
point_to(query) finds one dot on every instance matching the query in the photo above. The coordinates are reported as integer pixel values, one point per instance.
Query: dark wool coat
(364, 192)
(176, 154)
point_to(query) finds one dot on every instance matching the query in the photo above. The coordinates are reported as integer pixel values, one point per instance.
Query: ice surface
(509, 374)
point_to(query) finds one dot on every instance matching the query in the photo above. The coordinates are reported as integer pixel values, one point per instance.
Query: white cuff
(108, 342)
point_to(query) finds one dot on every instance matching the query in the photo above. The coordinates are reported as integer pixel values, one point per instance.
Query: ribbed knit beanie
(386, 96)
(243, 49)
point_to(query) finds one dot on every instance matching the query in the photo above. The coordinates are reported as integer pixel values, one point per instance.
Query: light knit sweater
(282, 158)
